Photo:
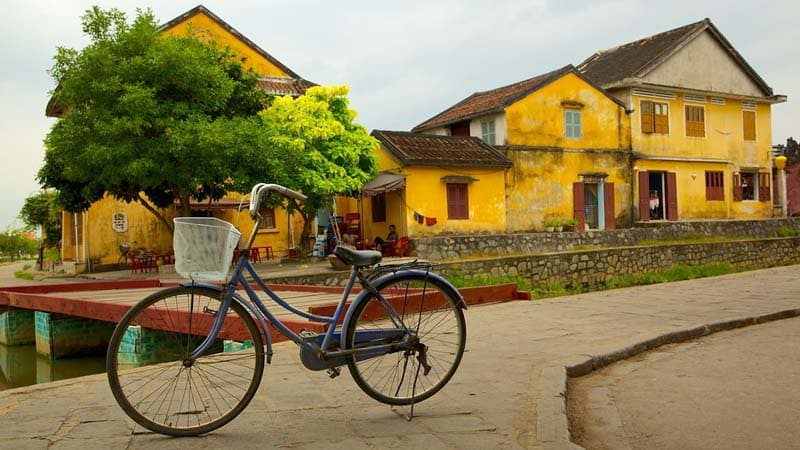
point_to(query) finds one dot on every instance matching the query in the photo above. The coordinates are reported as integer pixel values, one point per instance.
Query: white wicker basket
(204, 247)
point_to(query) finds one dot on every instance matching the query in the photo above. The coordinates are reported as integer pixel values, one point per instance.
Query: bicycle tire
(148, 370)
(442, 329)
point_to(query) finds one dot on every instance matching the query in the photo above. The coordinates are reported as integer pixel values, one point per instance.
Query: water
(21, 366)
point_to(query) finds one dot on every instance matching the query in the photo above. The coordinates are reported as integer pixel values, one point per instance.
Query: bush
(786, 231)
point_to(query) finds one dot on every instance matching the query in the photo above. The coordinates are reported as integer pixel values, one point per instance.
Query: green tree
(42, 210)
(15, 242)
(326, 152)
(153, 119)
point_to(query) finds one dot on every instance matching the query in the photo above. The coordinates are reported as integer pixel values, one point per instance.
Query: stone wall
(589, 268)
(458, 247)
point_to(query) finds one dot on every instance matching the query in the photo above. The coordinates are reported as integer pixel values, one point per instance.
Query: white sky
(404, 60)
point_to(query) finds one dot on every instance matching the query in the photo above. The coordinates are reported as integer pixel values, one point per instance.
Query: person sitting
(390, 238)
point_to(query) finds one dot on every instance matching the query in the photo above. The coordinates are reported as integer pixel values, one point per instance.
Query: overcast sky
(404, 60)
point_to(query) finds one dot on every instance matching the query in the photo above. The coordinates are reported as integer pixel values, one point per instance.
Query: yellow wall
(539, 185)
(538, 119)
(723, 141)
(426, 194)
(202, 26)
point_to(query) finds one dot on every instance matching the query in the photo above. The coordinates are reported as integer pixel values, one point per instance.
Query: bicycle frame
(259, 309)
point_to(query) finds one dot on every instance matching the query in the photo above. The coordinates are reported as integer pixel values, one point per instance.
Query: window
(487, 132)
(655, 117)
(457, 201)
(379, 208)
(749, 125)
(714, 185)
(572, 124)
(695, 121)
(267, 218)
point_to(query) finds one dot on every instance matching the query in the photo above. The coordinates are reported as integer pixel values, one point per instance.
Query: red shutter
(608, 192)
(457, 201)
(644, 196)
(578, 204)
(738, 192)
(672, 197)
(763, 187)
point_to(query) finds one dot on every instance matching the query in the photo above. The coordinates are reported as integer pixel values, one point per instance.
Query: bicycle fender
(240, 300)
(382, 281)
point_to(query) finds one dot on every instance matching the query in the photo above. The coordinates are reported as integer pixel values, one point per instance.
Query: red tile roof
(486, 102)
(284, 86)
(434, 150)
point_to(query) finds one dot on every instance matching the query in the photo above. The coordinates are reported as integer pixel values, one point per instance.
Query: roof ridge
(651, 37)
(225, 25)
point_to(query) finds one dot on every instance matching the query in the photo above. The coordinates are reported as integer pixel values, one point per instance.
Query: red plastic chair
(400, 247)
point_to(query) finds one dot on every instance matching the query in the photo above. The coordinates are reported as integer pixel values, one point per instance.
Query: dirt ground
(732, 390)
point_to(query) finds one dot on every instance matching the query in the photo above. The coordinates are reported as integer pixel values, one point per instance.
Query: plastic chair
(400, 247)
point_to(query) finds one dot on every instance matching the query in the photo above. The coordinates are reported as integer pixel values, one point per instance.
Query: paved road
(734, 390)
(508, 392)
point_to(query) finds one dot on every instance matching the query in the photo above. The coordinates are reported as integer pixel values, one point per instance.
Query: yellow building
(701, 124)
(569, 144)
(433, 184)
(96, 236)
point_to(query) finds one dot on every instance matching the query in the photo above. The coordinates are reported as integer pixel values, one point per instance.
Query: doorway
(656, 195)
(590, 205)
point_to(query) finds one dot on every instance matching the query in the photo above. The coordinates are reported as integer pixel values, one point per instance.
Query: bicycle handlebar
(262, 188)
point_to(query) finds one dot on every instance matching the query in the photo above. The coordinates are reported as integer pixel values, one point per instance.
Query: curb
(552, 423)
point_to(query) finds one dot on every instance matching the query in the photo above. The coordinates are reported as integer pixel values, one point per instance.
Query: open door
(644, 196)
(608, 193)
(671, 195)
(578, 203)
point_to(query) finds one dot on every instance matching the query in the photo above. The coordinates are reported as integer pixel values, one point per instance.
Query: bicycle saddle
(358, 258)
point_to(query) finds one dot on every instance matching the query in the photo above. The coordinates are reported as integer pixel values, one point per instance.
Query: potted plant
(550, 225)
(559, 224)
(571, 224)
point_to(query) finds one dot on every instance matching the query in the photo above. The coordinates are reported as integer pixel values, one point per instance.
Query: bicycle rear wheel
(429, 310)
(155, 381)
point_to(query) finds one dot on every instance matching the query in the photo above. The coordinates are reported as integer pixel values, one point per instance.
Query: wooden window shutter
(647, 116)
(695, 121)
(608, 193)
(457, 201)
(644, 196)
(672, 196)
(763, 187)
(749, 125)
(578, 204)
(661, 118)
(738, 192)
(714, 185)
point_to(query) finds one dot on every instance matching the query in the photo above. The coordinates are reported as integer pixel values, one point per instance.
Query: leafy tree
(327, 153)
(41, 210)
(173, 118)
(15, 242)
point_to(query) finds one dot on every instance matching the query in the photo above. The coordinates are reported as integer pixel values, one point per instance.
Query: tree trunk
(307, 218)
(156, 212)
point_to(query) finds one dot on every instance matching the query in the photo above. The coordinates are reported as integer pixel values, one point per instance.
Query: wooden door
(608, 204)
(578, 204)
(671, 196)
(644, 196)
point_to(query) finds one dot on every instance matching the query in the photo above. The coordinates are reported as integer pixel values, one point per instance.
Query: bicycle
(188, 359)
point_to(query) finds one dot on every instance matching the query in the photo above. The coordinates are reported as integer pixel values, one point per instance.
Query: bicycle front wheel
(438, 334)
(158, 384)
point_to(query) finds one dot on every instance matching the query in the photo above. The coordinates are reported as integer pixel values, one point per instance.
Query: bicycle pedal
(308, 336)
(334, 372)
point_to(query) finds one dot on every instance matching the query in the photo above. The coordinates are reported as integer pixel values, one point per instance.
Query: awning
(385, 182)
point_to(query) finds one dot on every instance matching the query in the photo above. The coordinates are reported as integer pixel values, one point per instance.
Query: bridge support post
(17, 327)
(58, 336)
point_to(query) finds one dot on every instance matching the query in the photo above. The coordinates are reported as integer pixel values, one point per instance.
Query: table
(255, 253)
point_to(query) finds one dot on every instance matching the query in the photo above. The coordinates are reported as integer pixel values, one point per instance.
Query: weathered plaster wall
(202, 26)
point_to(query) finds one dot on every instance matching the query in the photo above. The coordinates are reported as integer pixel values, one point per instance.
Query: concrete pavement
(508, 393)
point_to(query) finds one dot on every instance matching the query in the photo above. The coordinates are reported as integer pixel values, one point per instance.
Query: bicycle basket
(204, 247)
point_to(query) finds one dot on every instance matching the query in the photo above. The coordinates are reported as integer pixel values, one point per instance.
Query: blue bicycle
(188, 359)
